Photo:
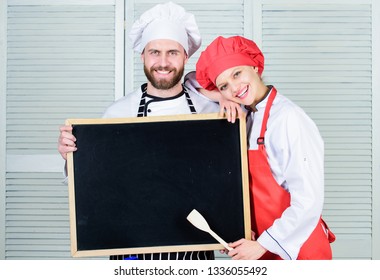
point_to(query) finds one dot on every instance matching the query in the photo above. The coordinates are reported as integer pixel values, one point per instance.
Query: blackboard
(133, 181)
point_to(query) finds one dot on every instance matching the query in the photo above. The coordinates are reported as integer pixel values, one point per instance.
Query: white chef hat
(166, 21)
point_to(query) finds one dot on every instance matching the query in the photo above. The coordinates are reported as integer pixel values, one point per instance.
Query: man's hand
(66, 141)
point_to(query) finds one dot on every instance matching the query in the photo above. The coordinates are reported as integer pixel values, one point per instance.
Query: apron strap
(273, 93)
(189, 102)
(142, 113)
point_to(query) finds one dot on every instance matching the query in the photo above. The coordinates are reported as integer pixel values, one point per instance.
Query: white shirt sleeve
(65, 181)
(192, 84)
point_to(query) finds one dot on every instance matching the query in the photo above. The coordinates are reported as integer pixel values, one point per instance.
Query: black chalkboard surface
(132, 183)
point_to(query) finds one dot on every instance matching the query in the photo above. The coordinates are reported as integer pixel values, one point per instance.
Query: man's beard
(164, 84)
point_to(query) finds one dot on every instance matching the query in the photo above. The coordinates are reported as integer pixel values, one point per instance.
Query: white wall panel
(61, 63)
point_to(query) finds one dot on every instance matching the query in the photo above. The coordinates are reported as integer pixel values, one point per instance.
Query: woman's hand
(230, 109)
(246, 250)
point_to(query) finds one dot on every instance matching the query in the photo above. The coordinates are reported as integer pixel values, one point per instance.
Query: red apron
(269, 200)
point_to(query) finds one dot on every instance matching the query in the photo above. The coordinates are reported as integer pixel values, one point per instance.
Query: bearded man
(165, 37)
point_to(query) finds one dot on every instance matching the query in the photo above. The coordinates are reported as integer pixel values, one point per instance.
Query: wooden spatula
(200, 222)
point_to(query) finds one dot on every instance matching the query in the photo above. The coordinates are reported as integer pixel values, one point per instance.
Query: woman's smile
(243, 93)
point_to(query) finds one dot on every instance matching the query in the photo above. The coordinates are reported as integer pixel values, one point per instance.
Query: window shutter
(319, 55)
(60, 64)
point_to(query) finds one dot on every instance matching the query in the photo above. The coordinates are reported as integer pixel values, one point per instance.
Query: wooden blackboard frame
(76, 172)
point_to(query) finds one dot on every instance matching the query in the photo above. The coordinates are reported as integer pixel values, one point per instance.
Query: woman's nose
(234, 87)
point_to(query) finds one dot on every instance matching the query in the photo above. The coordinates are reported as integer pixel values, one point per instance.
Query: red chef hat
(224, 53)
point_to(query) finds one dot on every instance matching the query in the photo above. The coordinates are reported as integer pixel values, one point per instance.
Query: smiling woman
(241, 84)
(285, 157)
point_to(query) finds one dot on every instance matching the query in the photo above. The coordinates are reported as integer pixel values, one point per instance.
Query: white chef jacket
(295, 152)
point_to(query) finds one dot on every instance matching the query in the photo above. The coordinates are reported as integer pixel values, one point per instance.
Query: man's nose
(164, 60)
